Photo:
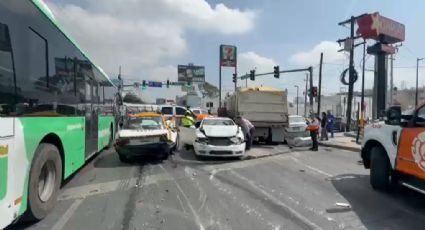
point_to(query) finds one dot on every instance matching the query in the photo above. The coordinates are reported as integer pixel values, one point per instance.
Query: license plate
(296, 128)
(144, 140)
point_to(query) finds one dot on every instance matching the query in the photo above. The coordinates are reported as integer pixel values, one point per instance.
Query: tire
(123, 158)
(163, 156)
(44, 181)
(380, 169)
(111, 139)
(177, 147)
(187, 147)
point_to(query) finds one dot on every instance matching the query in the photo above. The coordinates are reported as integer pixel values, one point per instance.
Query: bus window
(7, 84)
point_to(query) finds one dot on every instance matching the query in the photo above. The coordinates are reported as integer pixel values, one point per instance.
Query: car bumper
(149, 149)
(219, 151)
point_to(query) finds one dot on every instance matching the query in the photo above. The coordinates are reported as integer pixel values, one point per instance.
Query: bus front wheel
(44, 181)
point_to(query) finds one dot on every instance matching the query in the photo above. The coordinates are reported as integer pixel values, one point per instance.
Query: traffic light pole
(236, 79)
(219, 86)
(309, 70)
(320, 84)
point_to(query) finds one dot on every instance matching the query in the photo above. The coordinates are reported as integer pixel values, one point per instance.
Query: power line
(410, 51)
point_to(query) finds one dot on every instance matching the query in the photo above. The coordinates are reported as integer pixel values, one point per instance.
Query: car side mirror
(197, 124)
(393, 116)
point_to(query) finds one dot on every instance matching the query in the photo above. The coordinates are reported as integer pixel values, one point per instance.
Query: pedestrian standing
(331, 123)
(313, 127)
(323, 122)
(247, 129)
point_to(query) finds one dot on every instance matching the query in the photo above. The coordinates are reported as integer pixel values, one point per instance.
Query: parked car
(215, 136)
(145, 134)
(296, 133)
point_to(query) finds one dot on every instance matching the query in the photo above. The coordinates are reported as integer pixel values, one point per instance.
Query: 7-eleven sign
(228, 55)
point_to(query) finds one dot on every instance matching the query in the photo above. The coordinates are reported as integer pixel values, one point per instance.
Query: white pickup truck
(394, 150)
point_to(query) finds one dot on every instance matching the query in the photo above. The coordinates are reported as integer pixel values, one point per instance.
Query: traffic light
(276, 71)
(308, 92)
(168, 83)
(252, 75)
(314, 91)
(143, 83)
(234, 78)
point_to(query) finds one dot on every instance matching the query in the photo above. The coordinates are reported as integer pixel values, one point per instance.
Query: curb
(353, 149)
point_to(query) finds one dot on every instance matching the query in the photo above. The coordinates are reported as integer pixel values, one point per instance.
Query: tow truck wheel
(44, 181)
(380, 169)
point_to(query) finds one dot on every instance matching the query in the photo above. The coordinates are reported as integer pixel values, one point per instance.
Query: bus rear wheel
(44, 181)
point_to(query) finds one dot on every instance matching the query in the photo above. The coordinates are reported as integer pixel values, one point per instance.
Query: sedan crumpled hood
(220, 130)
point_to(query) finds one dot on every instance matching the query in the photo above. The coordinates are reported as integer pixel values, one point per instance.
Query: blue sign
(155, 84)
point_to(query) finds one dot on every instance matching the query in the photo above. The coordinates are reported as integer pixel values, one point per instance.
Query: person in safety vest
(313, 127)
(187, 120)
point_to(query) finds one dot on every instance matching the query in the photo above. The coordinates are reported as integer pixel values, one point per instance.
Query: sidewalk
(342, 141)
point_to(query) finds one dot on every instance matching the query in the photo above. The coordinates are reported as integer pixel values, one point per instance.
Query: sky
(149, 38)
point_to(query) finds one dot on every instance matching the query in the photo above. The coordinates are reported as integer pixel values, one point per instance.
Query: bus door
(91, 116)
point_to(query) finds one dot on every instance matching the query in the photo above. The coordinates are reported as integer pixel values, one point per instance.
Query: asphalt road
(297, 189)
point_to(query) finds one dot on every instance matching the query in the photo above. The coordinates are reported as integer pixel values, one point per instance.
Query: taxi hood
(220, 130)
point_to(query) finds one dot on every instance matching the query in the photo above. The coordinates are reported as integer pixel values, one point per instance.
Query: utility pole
(351, 75)
(417, 79)
(392, 75)
(305, 95)
(320, 84)
(297, 96)
(351, 70)
(362, 97)
(391, 78)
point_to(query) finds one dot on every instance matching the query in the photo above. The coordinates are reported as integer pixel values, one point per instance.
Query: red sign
(378, 27)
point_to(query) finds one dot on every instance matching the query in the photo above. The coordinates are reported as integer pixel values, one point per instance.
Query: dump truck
(265, 107)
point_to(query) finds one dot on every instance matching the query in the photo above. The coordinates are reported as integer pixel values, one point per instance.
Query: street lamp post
(417, 79)
(297, 96)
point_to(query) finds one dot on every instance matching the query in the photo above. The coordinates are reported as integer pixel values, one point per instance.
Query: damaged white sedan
(218, 137)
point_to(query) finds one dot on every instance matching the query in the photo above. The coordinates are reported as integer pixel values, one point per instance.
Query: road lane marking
(181, 203)
(311, 167)
(192, 209)
(67, 215)
(275, 200)
(239, 164)
(111, 186)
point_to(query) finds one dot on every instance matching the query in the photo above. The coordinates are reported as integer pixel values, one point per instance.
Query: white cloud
(312, 57)
(250, 60)
(143, 36)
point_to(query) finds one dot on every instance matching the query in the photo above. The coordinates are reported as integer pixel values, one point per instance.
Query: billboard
(191, 73)
(228, 56)
(378, 27)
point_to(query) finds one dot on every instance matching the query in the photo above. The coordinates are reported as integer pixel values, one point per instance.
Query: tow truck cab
(394, 149)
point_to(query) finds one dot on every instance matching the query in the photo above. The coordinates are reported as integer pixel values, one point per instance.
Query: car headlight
(236, 140)
(202, 140)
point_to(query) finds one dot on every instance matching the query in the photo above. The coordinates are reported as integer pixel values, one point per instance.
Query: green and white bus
(56, 109)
